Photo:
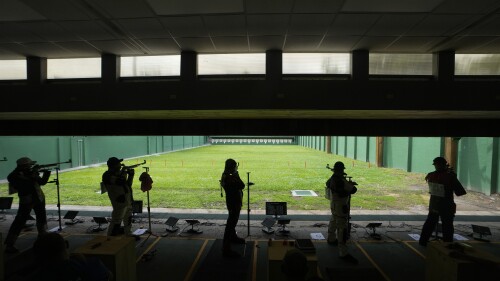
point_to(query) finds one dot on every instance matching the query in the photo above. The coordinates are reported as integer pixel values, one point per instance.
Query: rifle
(43, 167)
(126, 168)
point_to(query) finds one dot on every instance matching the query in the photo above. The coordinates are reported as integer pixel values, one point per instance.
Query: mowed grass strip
(190, 179)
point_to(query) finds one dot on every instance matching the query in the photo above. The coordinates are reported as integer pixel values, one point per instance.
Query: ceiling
(88, 28)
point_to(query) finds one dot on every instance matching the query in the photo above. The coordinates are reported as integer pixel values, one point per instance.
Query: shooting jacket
(27, 184)
(340, 189)
(119, 186)
(442, 186)
(233, 187)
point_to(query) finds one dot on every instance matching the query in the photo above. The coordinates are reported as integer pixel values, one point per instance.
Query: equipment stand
(56, 181)
(282, 223)
(192, 230)
(149, 231)
(248, 203)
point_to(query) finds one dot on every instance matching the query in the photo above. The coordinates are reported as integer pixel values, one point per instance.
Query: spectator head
(294, 265)
(50, 247)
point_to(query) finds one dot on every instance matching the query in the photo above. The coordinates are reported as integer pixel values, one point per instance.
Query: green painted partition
(351, 147)
(477, 158)
(422, 151)
(396, 152)
(83, 150)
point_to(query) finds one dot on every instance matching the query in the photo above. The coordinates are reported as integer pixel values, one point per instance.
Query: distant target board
(225, 140)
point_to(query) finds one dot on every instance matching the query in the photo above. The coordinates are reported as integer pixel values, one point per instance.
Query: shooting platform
(459, 262)
(117, 254)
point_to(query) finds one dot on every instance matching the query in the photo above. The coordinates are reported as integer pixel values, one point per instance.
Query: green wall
(478, 158)
(478, 164)
(83, 150)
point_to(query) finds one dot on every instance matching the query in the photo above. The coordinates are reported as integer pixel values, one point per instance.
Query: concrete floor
(394, 232)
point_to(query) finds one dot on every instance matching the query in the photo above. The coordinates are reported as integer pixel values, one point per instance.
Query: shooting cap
(113, 161)
(23, 161)
(338, 166)
(439, 160)
(230, 165)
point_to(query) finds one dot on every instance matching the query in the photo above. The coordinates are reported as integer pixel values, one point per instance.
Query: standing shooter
(443, 183)
(26, 181)
(340, 191)
(233, 187)
(118, 183)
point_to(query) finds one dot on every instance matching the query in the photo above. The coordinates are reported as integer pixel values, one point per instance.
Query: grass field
(190, 179)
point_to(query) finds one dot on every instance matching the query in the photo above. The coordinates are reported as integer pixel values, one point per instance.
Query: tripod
(149, 231)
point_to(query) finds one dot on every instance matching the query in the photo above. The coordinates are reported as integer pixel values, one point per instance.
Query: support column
(379, 152)
(360, 65)
(451, 151)
(110, 68)
(443, 66)
(328, 144)
(274, 65)
(37, 70)
(189, 66)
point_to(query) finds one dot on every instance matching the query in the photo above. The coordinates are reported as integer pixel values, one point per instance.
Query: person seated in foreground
(57, 264)
(295, 267)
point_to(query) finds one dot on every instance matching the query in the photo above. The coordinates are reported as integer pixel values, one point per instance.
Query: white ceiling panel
(46, 50)
(66, 10)
(195, 7)
(201, 44)
(49, 31)
(185, 26)
(12, 32)
(375, 44)
(17, 49)
(491, 47)
(122, 8)
(88, 30)
(467, 6)
(14, 10)
(302, 43)
(390, 6)
(394, 25)
(267, 24)
(231, 25)
(139, 27)
(317, 6)
(309, 24)
(162, 46)
(414, 44)
(79, 49)
(264, 43)
(438, 25)
(491, 27)
(143, 28)
(469, 44)
(266, 6)
(338, 43)
(352, 24)
(9, 55)
(232, 44)
(118, 47)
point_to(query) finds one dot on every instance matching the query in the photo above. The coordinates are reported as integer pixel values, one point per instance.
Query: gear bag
(146, 182)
